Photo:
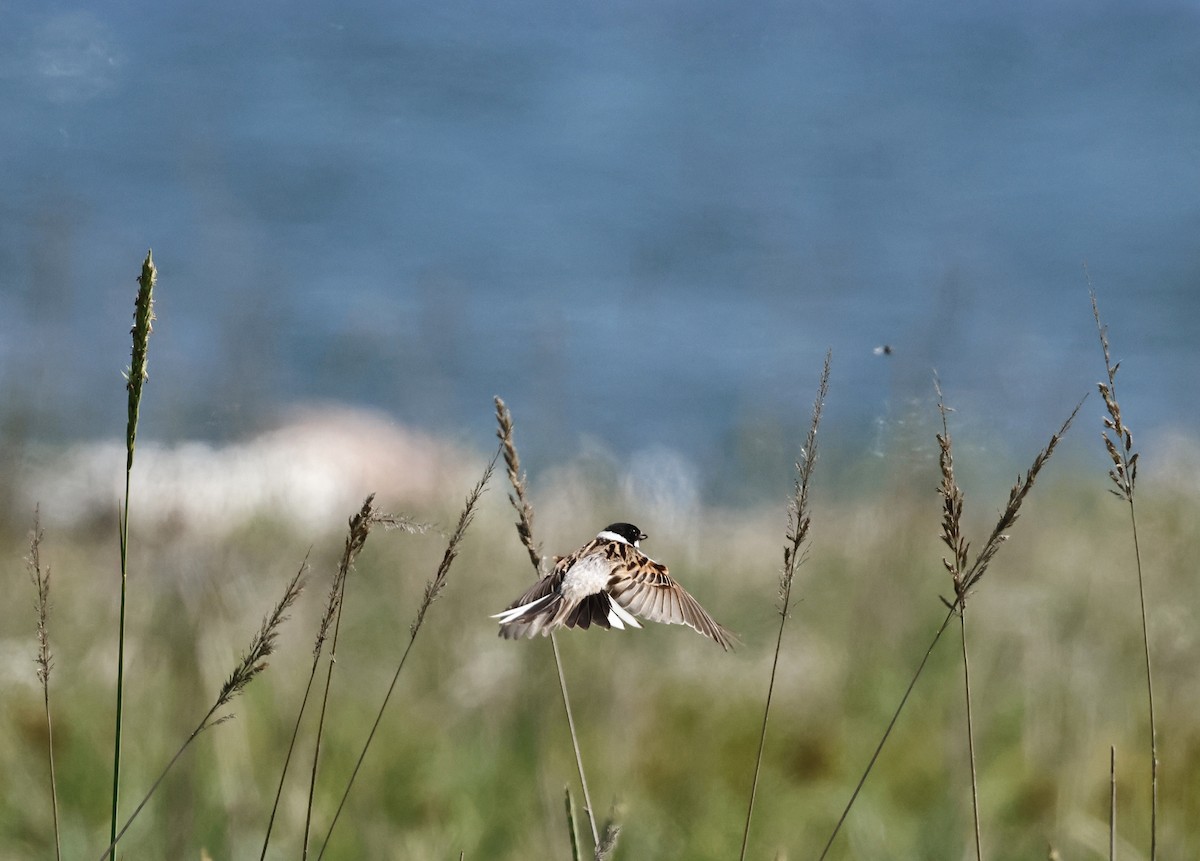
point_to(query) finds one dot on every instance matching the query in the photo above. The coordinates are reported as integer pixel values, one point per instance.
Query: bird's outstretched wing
(645, 588)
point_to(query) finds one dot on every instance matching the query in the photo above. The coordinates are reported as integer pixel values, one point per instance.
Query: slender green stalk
(253, 662)
(44, 659)
(331, 606)
(798, 524)
(962, 622)
(296, 729)
(587, 796)
(433, 590)
(360, 528)
(524, 524)
(1137, 554)
(886, 734)
(143, 320)
(571, 826)
(1118, 441)
(965, 577)
(952, 509)
(1112, 803)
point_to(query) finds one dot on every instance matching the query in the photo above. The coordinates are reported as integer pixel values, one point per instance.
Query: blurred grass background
(473, 753)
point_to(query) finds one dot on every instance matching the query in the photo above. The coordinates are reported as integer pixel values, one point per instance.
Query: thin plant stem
(953, 502)
(44, 659)
(1137, 553)
(965, 577)
(524, 524)
(360, 528)
(587, 796)
(354, 542)
(571, 826)
(288, 757)
(886, 733)
(433, 590)
(143, 320)
(1112, 803)
(798, 525)
(253, 662)
(1118, 441)
(962, 622)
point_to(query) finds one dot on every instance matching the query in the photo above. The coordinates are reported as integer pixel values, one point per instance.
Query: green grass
(473, 752)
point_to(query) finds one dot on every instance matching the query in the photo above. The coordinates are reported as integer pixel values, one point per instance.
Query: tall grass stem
(797, 532)
(135, 380)
(433, 590)
(886, 734)
(1112, 803)
(253, 662)
(962, 622)
(1118, 442)
(44, 660)
(587, 795)
(520, 503)
(356, 537)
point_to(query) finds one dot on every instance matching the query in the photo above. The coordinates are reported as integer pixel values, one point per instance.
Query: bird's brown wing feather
(645, 588)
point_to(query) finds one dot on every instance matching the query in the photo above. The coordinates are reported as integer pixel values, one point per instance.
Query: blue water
(643, 223)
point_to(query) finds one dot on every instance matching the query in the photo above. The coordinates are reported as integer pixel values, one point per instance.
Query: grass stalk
(1112, 803)
(332, 603)
(566, 698)
(886, 734)
(361, 524)
(135, 379)
(1118, 441)
(524, 524)
(433, 590)
(797, 532)
(253, 662)
(956, 565)
(965, 576)
(44, 660)
(571, 825)
(962, 623)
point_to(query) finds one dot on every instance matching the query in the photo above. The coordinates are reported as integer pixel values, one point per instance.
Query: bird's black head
(627, 531)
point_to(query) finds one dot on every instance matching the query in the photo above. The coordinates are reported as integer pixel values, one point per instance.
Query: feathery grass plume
(799, 521)
(967, 578)
(1118, 441)
(135, 380)
(433, 590)
(253, 662)
(525, 530)
(44, 659)
(332, 603)
(516, 478)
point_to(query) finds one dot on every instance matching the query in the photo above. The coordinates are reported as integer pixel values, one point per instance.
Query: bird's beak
(642, 536)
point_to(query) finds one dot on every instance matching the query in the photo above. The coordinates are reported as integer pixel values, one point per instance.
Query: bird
(607, 582)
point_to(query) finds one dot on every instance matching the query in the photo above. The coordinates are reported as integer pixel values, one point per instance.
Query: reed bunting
(607, 582)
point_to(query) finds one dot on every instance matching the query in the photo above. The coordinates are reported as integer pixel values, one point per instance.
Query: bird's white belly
(586, 577)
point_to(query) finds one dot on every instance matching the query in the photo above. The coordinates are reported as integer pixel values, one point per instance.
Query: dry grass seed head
(433, 589)
(41, 582)
(254, 661)
(516, 478)
(1016, 496)
(1118, 439)
(799, 519)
